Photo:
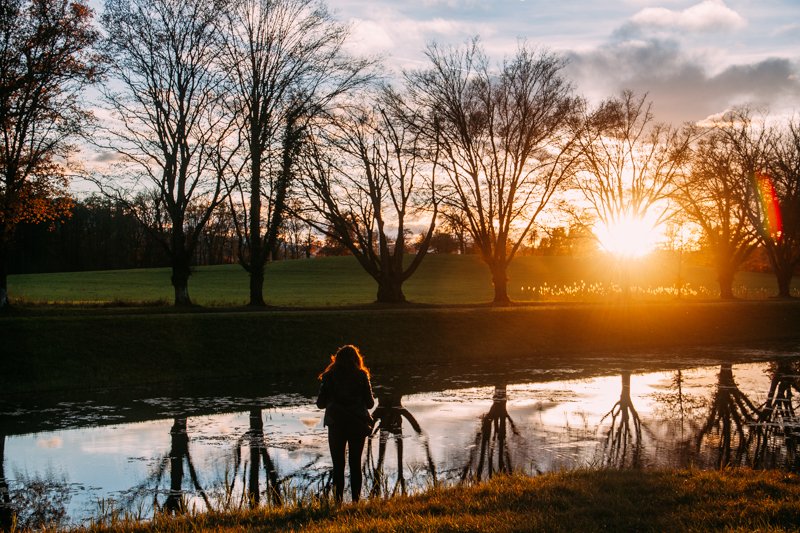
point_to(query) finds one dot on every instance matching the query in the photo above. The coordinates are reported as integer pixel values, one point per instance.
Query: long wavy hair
(347, 358)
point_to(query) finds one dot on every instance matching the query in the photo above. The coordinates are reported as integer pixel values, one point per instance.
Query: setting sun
(628, 236)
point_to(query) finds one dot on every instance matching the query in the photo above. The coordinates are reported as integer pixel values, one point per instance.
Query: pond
(75, 461)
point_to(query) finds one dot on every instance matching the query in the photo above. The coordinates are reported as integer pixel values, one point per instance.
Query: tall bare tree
(629, 163)
(782, 243)
(46, 60)
(503, 141)
(716, 195)
(768, 157)
(371, 180)
(168, 125)
(286, 63)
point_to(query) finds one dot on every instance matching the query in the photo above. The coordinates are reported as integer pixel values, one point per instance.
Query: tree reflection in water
(777, 429)
(622, 446)
(388, 418)
(258, 455)
(730, 412)
(491, 439)
(5, 497)
(178, 455)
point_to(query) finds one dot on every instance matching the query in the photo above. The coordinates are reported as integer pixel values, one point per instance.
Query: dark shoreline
(83, 350)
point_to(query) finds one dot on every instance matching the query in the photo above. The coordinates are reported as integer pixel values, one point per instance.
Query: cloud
(51, 443)
(787, 29)
(683, 87)
(709, 16)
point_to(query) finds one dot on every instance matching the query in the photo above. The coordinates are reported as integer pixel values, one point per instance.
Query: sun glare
(629, 236)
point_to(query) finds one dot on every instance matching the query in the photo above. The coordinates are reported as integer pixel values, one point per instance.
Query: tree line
(252, 116)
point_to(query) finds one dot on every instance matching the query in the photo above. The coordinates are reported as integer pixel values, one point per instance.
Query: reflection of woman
(346, 396)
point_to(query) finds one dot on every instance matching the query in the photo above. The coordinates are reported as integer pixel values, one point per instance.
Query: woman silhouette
(346, 396)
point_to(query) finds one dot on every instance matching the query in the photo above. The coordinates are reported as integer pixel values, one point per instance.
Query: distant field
(441, 279)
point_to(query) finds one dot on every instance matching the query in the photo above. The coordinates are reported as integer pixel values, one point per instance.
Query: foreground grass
(335, 281)
(603, 500)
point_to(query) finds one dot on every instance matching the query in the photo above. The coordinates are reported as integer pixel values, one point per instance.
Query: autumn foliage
(46, 60)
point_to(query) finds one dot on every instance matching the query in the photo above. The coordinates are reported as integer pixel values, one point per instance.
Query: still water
(77, 461)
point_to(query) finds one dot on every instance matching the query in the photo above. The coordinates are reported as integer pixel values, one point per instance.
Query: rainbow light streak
(770, 208)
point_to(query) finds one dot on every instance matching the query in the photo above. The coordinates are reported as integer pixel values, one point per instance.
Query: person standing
(346, 395)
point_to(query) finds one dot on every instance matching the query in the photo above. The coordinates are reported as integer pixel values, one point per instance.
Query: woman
(346, 396)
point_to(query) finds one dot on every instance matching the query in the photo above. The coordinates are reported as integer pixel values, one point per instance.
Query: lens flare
(770, 207)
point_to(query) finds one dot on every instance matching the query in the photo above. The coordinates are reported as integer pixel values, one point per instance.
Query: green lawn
(441, 279)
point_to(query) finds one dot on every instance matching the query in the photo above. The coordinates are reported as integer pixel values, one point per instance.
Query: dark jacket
(346, 398)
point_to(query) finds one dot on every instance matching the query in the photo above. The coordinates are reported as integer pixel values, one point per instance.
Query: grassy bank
(100, 348)
(441, 279)
(733, 500)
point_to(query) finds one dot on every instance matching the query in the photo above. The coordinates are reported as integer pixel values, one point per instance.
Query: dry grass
(597, 500)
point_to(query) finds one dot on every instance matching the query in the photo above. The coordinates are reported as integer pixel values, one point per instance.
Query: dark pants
(338, 438)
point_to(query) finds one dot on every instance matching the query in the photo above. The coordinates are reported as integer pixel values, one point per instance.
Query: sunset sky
(694, 58)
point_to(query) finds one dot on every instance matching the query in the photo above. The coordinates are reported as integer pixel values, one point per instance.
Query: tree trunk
(725, 276)
(257, 283)
(256, 245)
(3, 278)
(784, 278)
(181, 261)
(3, 290)
(390, 291)
(500, 282)
(180, 279)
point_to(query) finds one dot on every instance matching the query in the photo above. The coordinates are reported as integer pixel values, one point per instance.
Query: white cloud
(787, 29)
(368, 36)
(707, 16)
(681, 86)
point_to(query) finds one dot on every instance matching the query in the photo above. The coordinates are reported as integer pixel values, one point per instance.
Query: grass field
(79, 349)
(594, 500)
(441, 279)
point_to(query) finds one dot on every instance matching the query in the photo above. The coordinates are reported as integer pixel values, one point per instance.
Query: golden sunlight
(629, 236)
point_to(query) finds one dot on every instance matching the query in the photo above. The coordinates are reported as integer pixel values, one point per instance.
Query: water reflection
(490, 451)
(388, 416)
(730, 413)
(5, 497)
(179, 455)
(776, 430)
(622, 445)
(259, 455)
(265, 454)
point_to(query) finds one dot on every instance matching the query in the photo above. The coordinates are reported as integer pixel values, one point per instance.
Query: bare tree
(628, 165)
(502, 137)
(716, 195)
(779, 192)
(286, 63)
(46, 60)
(371, 180)
(168, 125)
(768, 157)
